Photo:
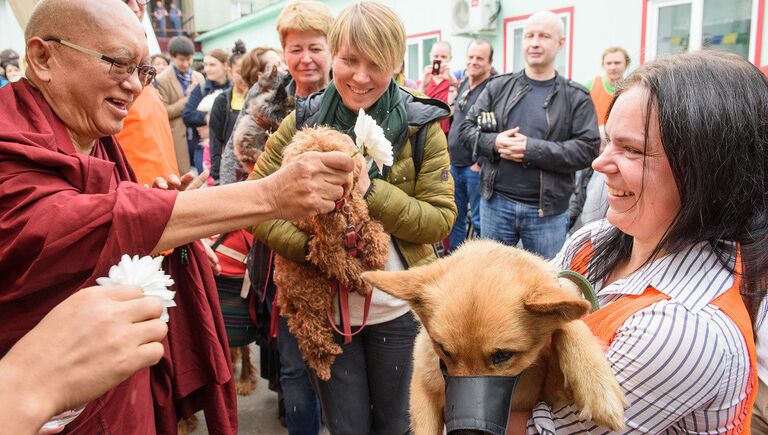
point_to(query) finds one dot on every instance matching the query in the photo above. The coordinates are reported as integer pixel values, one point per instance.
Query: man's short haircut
(181, 46)
(610, 50)
(304, 16)
(551, 16)
(373, 30)
(483, 42)
(443, 43)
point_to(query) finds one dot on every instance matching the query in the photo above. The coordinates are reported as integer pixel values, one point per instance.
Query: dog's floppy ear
(411, 285)
(551, 300)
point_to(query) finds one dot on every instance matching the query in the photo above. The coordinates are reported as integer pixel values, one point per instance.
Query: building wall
(596, 25)
(211, 14)
(11, 35)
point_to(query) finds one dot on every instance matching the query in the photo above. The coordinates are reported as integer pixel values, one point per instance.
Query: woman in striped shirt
(678, 261)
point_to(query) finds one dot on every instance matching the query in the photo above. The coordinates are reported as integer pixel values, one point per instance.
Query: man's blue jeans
(302, 408)
(508, 222)
(466, 193)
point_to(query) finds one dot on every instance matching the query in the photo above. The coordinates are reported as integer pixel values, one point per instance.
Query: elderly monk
(69, 208)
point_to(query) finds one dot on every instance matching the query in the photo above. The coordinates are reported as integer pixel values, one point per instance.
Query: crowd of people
(653, 186)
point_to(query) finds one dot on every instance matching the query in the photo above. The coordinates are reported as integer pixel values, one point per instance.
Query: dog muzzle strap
(477, 403)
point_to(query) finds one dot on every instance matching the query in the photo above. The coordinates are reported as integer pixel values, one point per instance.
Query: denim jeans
(302, 409)
(508, 222)
(466, 193)
(368, 392)
(197, 159)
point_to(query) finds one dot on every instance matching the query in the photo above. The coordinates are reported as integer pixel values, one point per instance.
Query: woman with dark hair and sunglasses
(680, 263)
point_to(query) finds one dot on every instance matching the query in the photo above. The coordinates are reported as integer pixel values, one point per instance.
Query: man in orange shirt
(146, 137)
(602, 88)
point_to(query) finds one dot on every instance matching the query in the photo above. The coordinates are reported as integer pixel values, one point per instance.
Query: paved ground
(257, 413)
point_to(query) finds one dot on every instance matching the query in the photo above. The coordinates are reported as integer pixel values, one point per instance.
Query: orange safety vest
(605, 322)
(601, 99)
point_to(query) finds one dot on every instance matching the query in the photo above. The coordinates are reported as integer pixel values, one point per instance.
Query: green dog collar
(586, 288)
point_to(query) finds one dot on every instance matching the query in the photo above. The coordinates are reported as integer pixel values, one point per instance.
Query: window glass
(417, 57)
(414, 73)
(726, 25)
(428, 43)
(560, 61)
(674, 29)
(518, 62)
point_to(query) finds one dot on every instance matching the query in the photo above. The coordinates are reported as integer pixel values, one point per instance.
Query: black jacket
(194, 118)
(221, 122)
(571, 143)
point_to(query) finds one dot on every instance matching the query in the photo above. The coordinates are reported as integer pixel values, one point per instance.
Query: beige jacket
(175, 100)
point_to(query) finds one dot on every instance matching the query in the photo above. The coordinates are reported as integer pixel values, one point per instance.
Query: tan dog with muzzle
(495, 310)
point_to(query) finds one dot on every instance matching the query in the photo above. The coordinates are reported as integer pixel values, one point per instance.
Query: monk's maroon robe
(65, 219)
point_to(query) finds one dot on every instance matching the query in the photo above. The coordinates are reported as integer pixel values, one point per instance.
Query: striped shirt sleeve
(680, 371)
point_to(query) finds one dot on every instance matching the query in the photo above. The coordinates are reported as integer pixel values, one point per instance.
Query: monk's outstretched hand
(187, 181)
(310, 184)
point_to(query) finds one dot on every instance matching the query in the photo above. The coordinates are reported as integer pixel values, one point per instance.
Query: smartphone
(436, 67)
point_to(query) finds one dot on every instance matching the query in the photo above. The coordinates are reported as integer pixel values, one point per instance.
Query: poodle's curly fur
(303, 295)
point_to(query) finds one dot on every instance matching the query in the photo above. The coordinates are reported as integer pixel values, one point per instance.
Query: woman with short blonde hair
(373, 29)
(302, 27)
(304, 16)
(368, 389)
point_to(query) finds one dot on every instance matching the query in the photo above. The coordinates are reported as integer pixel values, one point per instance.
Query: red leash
(343, 293)
(353, 243)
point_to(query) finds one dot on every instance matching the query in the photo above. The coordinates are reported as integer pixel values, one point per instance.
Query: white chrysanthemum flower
(144, 272)
(371, 142)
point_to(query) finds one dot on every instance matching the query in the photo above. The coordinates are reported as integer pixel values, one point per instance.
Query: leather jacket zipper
(541, 172)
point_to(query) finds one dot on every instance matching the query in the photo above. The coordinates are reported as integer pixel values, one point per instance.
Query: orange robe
(147, 140)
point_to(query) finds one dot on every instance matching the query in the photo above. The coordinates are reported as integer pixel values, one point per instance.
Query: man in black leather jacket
(536, 129)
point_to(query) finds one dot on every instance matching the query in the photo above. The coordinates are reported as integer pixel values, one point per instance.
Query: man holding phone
(438, 82)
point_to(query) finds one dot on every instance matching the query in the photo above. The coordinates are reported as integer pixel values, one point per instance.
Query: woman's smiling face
(359, 81)
(643, 198)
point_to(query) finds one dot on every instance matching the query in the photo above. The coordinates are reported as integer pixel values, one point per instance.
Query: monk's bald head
(81, 19)
(90, 92)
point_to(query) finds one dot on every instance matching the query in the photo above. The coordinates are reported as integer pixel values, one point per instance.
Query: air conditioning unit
(475, 17)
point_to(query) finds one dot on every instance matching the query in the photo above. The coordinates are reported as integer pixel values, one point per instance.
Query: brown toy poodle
(304, 295)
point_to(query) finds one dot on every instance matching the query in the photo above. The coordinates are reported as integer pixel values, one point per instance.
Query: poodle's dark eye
(501, 355)
(445, 352)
